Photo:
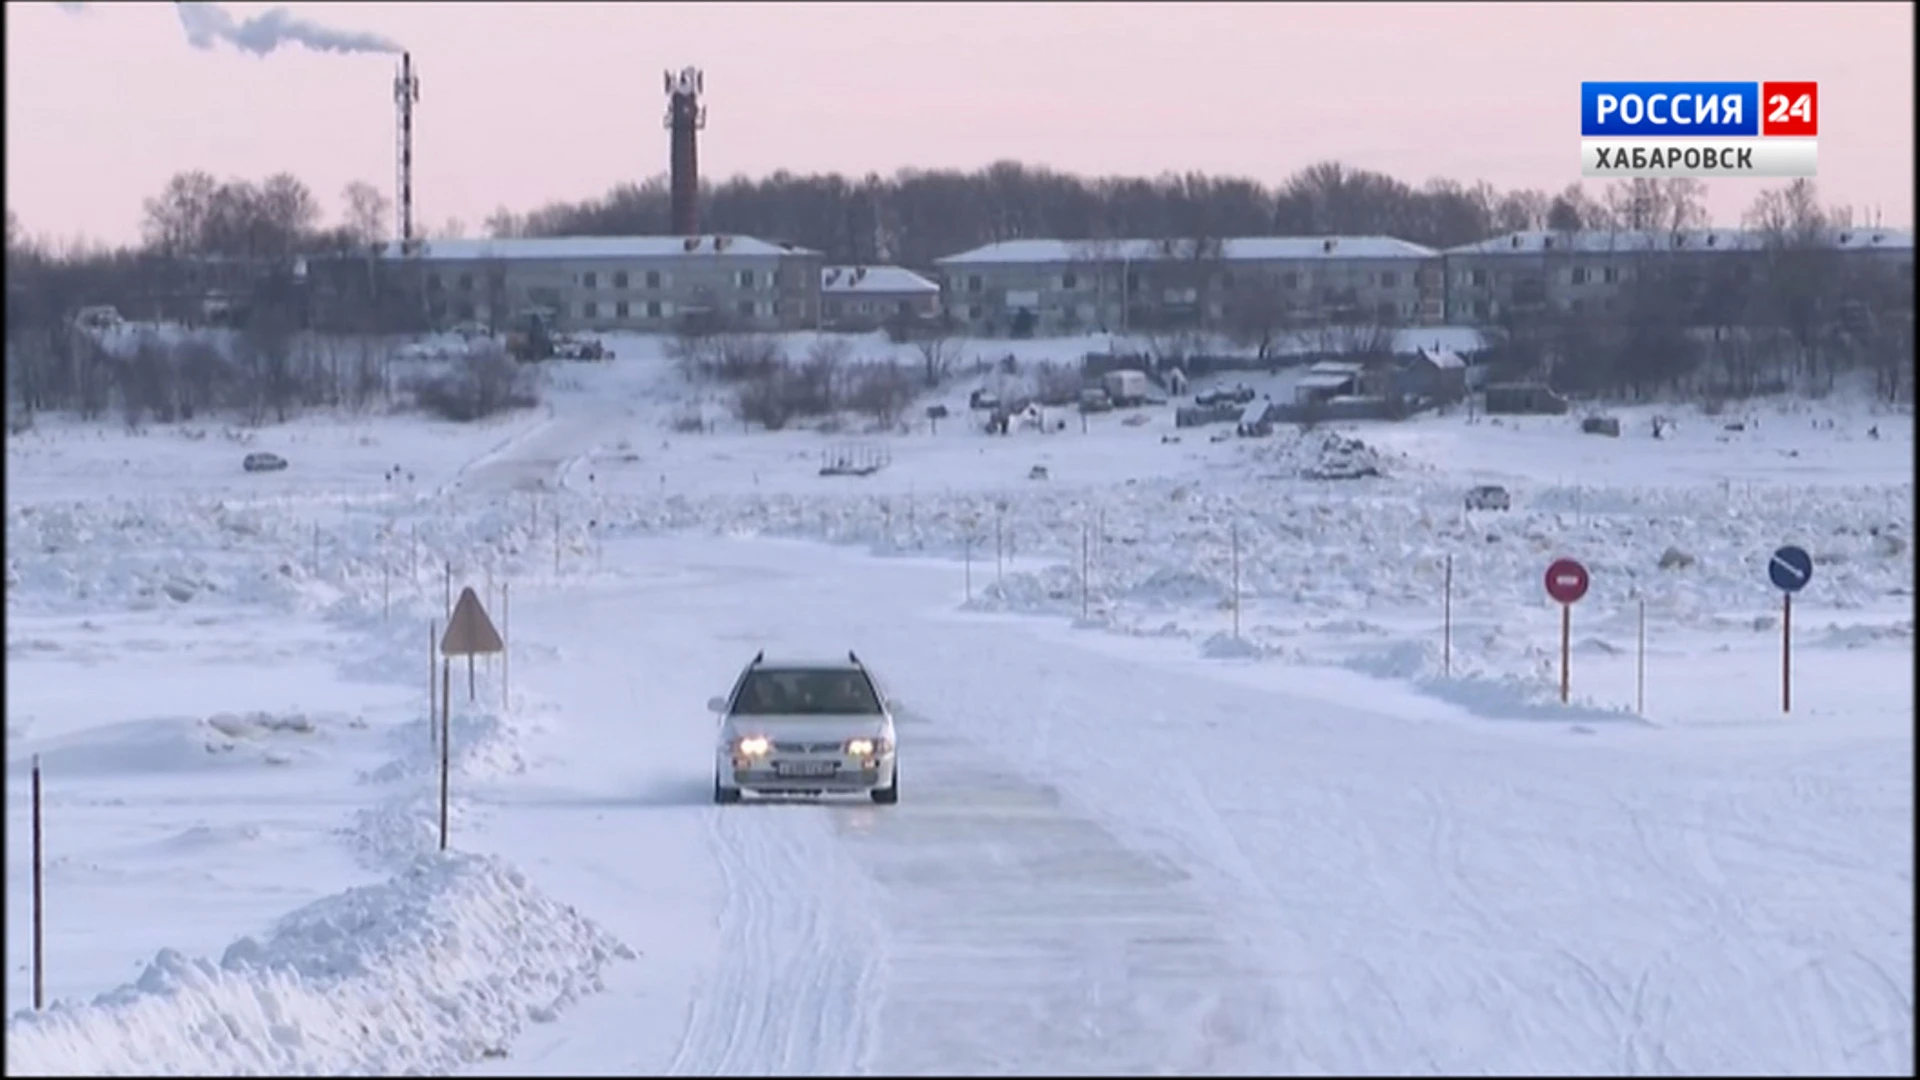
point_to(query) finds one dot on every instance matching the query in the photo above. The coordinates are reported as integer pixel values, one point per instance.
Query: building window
(653, 279)
(1612, 275)
(973, 312)
(1579, 275)
(590, 280)
(653, 309)
(1290, 280)
(466, 311)
(1069, 281)
(620, 309)
(746, 306)
(746, 279)
(589, 310)
(906, 307)
(466, 282)
(1479, 279)
(974, 284)
(620, 281)
(1389, 279)
(833, 309)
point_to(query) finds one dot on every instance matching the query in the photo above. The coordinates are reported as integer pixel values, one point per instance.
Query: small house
(1328, 379)
(1436, 374)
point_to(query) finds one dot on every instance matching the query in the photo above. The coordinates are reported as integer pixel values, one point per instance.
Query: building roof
(1442, 359)
(874, 279)
(1237, 249)
(1601, 241)
(1325, 381)
(595, 247)
(1343, 368)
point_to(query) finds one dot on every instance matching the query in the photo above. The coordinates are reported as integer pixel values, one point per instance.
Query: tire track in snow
(794, 972)
(1021, 937)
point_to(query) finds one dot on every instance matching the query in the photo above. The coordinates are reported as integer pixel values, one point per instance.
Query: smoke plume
(209, 24)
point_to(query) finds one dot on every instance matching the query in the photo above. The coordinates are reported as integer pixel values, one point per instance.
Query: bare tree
(820, 374)
(1258, 315)
(937, 353)
(367, 211)
(882, 391)
(1800, 265)
(1668, 205)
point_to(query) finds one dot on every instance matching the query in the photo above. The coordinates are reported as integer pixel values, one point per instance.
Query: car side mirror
(716, 704)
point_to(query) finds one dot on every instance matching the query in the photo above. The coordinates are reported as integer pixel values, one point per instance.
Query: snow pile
(1342, 458)
(423, 974)
(156, 745)
(1321, 455)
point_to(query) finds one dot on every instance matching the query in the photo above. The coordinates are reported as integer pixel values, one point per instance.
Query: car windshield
(806, 692)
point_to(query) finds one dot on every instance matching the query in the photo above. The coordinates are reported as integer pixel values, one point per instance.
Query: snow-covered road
(1109, 860)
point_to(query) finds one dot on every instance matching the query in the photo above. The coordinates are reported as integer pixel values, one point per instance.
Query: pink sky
(527, 103)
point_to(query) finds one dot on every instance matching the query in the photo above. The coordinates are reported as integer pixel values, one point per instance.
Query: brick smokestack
(686, 117)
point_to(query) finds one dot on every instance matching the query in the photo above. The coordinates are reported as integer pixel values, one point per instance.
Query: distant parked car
(1489, 497)
(262, 461)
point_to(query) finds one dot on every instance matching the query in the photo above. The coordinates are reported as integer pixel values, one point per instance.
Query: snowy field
(1195, 777)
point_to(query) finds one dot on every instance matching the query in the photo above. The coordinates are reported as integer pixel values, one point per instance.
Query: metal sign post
(1567, 582)
(1789, 569)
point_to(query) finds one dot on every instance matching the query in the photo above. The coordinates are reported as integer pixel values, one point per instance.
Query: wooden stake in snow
(446, 732)
(1085, 567)
(506, 649)
(1233, 540)
(1640, 666)
(433, 703)
(1446, 621)
(39, 901)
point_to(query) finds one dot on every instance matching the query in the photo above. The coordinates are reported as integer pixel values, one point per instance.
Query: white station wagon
(805, 727)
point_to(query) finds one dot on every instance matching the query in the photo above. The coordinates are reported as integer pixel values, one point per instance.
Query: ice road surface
(1130, 841)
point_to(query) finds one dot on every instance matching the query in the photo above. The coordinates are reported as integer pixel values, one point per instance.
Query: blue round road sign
(1790, 568)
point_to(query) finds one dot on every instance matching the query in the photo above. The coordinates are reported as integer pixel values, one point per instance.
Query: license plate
(804, 768)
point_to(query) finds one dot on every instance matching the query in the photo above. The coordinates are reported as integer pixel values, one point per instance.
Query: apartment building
(864, 298)
(1588, 272)
(1049, 287)
(635, 283)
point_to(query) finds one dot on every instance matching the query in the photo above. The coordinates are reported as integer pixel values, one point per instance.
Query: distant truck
(1125, 387)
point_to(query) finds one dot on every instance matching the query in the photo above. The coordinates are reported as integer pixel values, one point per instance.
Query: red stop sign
(1566, 580)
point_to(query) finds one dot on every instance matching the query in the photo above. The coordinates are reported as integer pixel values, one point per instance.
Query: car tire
(890, 794)
(723, 796)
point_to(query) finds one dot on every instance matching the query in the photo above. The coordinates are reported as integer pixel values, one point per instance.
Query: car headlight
(866, 747)
(753, 746)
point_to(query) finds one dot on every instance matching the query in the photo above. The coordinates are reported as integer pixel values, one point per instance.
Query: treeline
(917, 216)
(1810, 315)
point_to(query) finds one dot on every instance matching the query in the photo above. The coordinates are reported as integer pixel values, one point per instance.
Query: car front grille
(808, 747)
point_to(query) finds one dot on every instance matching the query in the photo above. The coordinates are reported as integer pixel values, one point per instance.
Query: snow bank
(435, 969)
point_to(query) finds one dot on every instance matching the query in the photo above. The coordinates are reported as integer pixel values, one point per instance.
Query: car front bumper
(778, 773)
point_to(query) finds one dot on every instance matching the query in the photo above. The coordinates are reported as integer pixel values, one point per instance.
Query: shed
(1323, 386)
(1435, 373)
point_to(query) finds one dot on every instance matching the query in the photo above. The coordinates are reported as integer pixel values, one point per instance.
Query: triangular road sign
(469, 631)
